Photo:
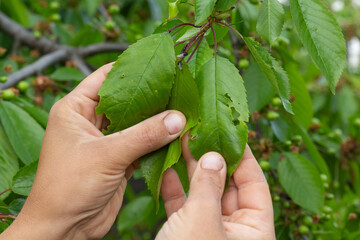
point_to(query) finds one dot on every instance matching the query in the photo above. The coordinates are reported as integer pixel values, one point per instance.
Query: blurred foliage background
(332, 121)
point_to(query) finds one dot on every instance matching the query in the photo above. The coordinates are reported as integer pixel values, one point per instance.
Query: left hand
(82, 174)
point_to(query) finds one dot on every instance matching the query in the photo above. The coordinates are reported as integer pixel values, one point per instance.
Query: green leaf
(40, 115)
(281, 129)
(24, 133)
(273, 71)
(203, 9)
(223, 110)
(8, 163)
(302, 182)
(202, 55)
(24, 179)
(223, 5)
(139, 84)
(220, 33)
(67, 74)
(302, 106)
(321, 36)
(181, 170)
(271, 20)
(135, 212)
(16, 206)
(17, 11)
(184, 98)
(311, 148)
(258, 97)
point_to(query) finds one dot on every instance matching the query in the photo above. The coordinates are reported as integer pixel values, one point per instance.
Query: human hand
(82, 174)
(243, 211)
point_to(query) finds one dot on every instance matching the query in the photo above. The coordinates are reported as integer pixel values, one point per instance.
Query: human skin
(82, 175)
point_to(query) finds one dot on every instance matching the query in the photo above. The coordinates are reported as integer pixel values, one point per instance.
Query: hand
(82, 174)
(243, 211)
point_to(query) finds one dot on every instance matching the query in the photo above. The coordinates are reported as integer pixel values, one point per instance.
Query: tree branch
(101, 48)
(16, 31)
(36, 67)
(54, 52)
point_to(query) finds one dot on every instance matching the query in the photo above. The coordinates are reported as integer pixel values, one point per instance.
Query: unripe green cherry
(3, 79)
(54, 6)
(265, 165)
(315, 121)
(23, 86)
(304, 230)
(8, 94)
(114, 9)
(336, 184)
(288, 143)
(326, 185)
(243, 63)
(330, 196)
(37, 34)
(357, 122)
(324, 178)
(110, 25)
(276, 198)
(55, 17)
(276, 101)
(286, 204)
(327, 209)
(308, 220)
(297, 138)
(271, 115)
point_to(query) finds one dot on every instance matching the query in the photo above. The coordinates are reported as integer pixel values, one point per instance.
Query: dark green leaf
(203, 54)
(223, 110)
(321, 36)
(135, 212)
(271, 20)
(273, 71)
(302, 182)
(24, 133)
(223, 5)
(258, 97)
(281, 129)
(139, 84)
(24, 178)
(16, 206)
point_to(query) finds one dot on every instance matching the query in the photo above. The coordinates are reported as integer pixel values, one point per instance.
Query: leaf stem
(197, 45)
(1, 193)
(214, 35)
(184, 24)
(231, 27)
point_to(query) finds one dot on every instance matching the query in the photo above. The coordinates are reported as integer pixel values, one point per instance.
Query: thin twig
(231, 27)
(197, 46)
(184, 24)
(180, 43)
(214, 35)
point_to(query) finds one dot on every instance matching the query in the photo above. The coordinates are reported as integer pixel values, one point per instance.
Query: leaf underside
(223, 110)
(203, 9)
(139, 84)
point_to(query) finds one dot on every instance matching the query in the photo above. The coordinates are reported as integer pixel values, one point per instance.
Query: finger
(172, 192)
(191, 163)
(130, 144)
(207, 185)
(253, 190)
(90, 86)
(229, 200)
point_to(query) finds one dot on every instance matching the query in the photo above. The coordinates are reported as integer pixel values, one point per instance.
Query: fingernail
(212, 162)
(173, 123)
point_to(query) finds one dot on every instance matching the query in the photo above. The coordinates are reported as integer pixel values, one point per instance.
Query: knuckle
(147, 136)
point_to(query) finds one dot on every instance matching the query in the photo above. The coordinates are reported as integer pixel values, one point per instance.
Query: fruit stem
(231, 27)
(184, 24)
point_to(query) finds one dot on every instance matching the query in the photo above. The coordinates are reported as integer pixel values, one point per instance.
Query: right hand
(244, 211)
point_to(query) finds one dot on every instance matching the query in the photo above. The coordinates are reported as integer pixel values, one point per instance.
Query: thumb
(124, 147)
(207, 185)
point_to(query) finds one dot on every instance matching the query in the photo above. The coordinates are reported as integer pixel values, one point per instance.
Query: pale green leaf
(273, 71)
(301, 180)
(321, 36)
(24, 133)
(135, 212)
(8, 163)
(258, 96)
(139, 84)
(67, 74)
(203, 9)
(271, 20)
(24, 179)
(223, 110)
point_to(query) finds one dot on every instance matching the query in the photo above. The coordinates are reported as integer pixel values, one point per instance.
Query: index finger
(253, 189)
(90, 86)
